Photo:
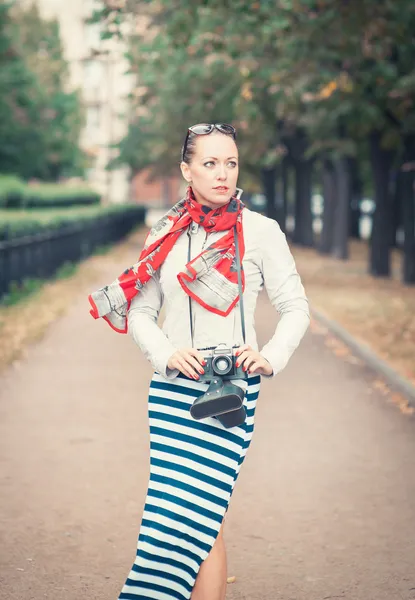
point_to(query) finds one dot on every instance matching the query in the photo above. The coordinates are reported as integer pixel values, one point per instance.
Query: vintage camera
(223, 399)
(221, 363)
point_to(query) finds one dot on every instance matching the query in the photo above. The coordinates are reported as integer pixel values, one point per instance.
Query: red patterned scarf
(210, 279)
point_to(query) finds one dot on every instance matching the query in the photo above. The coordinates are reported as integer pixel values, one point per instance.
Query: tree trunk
(382, 224)
(284, 193)
(356, 198)
(279, 199)
(408, 204)
(340, 248)
(269, 179)
(396, 208)
(329, 194)
(303, 230)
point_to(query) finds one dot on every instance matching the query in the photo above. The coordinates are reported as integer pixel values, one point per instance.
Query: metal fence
(41, 255)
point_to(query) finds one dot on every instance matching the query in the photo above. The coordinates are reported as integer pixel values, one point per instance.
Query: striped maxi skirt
(194, 466)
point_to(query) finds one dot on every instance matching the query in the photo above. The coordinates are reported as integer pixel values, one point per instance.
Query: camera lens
(222, 364)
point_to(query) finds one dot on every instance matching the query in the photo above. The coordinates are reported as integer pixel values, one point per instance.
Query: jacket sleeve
(286, 293)
(142, 325)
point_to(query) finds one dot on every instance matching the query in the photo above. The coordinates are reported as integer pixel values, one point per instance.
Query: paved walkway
(324, 507)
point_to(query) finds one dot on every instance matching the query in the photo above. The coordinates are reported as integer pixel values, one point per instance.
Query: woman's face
(213, 170)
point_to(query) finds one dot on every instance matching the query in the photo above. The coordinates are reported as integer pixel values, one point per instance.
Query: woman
(194, 464)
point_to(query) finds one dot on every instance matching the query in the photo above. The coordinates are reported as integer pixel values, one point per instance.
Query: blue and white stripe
(194, 466)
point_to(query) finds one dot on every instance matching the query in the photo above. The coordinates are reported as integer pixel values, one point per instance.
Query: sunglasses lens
(205, 128)
(201, 128)
(225, 128)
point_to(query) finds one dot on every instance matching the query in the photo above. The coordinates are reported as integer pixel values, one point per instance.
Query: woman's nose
(222, 172)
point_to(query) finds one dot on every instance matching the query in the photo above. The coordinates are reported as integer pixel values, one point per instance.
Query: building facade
(99, 70)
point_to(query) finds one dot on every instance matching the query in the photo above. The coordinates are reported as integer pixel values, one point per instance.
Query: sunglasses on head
(205, 129)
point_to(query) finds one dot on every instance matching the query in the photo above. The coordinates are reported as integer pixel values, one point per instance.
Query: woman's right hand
(189, 361)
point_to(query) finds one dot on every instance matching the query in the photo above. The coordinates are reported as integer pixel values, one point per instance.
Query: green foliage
(30, 285)
(24, 223)
(57, 196)
(68, 269)
(40, 120)
(20, 291)
(14, 193)
(330, 70)
(102, 250)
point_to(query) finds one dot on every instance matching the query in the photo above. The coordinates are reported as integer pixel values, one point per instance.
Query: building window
(92, 119)
(92, 37)
(93, 74)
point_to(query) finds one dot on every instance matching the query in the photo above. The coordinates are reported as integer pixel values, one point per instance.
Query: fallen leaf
(354, 360)
(402, 403)
(381, 386)
(379, 312)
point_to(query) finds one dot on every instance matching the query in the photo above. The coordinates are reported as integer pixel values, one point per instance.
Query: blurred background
(96, 98)
(95, 101)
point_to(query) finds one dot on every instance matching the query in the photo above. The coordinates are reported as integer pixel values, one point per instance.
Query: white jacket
(267, 260)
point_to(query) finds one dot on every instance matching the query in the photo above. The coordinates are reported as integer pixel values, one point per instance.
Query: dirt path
(324, 507)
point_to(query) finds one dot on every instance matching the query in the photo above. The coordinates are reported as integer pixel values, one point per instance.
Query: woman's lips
(221, 188)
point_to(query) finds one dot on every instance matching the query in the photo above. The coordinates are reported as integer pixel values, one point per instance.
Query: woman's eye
(232, 164)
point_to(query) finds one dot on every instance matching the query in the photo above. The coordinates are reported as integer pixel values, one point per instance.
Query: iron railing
(40, 255)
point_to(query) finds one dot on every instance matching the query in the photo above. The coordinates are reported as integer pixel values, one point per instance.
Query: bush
(59, 196)
(27, 226)
(12, 191)
(15, 194)
(45, 249)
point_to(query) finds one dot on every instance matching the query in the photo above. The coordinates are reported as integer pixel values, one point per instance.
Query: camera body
(221, 364)
(223, 399)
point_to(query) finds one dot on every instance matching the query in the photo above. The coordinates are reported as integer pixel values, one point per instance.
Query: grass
(19, 291)
(30, 285)
(35, 307)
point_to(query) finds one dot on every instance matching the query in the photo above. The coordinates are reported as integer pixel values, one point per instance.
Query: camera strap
(238, 268)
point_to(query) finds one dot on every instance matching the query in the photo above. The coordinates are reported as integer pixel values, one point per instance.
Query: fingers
(194, 352)
(187, 363)
(177, 361)
(190, 361)
(245, 358)
(242, 354)
(261, 366)
(248, 362)
(251, 361)
(185, 368)
(242, 348)
(194, 363)
(255, 366)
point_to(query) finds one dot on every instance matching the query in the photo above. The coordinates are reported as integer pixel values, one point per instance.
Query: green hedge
(15, 193)
(59, 242)
(27, 226)
(12, 190)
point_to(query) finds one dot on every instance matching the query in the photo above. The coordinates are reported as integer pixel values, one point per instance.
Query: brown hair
(191, 144)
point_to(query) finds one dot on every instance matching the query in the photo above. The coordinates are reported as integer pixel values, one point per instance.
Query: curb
(363, 351)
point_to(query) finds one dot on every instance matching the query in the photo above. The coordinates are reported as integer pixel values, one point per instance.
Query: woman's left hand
(252, 361)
